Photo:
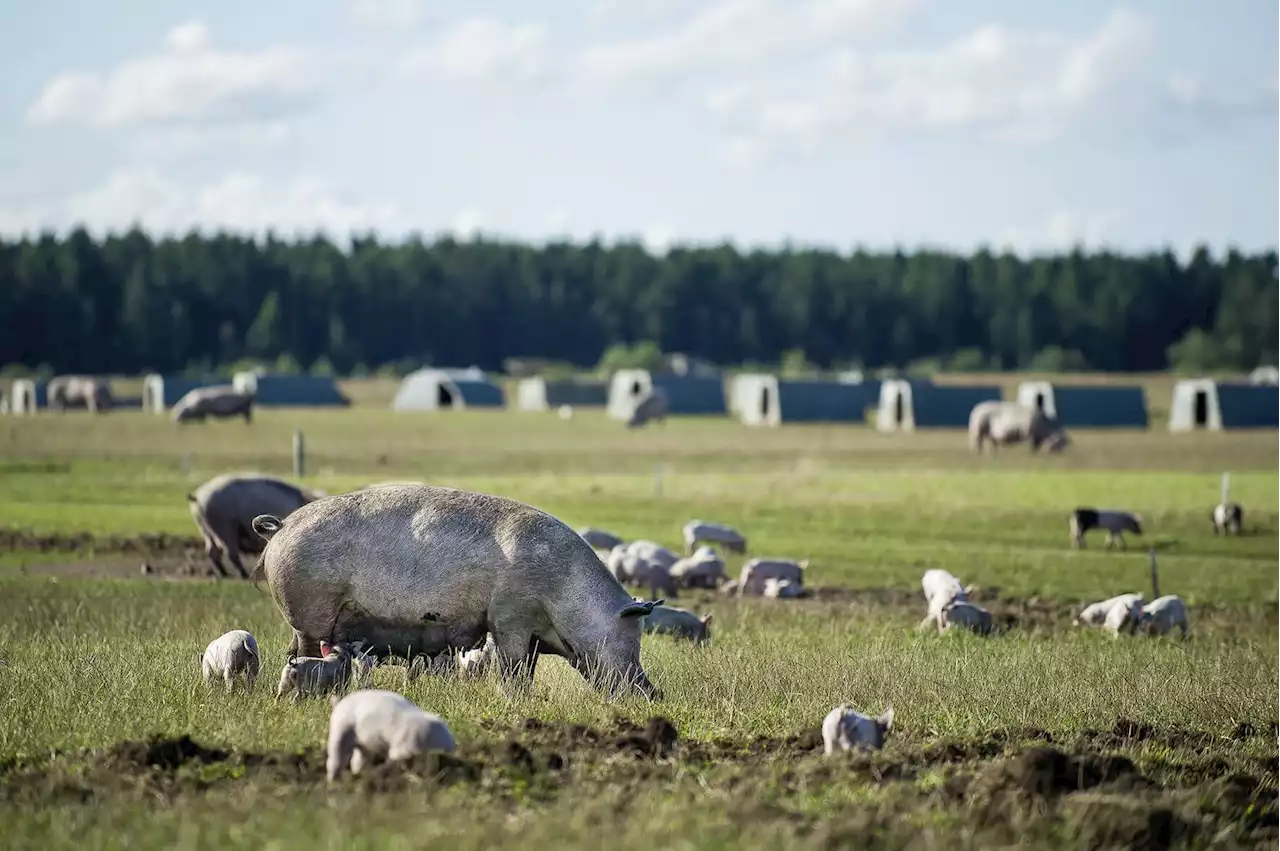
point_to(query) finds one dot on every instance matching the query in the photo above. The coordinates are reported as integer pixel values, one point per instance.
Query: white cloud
(1062, 231)
(483, 48)
(1022, 84)
(387, 14)
(190, 80)
(741, 34)
(188, 37)
(241, 202)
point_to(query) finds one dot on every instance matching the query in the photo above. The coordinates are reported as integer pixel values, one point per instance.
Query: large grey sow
(417, 569)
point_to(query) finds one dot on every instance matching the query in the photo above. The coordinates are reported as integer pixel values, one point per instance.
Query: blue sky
(836, 122)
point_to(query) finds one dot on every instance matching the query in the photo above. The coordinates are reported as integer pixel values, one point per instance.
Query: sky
(875, 123)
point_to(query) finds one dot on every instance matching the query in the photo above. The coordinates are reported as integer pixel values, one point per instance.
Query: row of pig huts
(765, 399)
(160, 392)
(757, 399)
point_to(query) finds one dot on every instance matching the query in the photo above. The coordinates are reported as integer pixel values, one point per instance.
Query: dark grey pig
(223, 509)
(420, 570)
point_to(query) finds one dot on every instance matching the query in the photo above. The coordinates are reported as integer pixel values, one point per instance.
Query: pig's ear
(706, 619)
(638, 609)
(886, 720)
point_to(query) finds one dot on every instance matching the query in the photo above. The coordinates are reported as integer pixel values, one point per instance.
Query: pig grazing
(371, 726)
(312, 675)
(1123, 616)
(1008, 423)
(599, 539)
(1162, 615)
(220, 401)
(681, 623)
(1227, 518)
(700, 531)
(223, 509)
(650, 407)
(965, 614)
(629, 565)
(758, 571)
(79, 391)
(941, 587)
(703, 569)
(846, 729)
(230, 655)
(1095, 614)
(1116, 523)
(416, 569)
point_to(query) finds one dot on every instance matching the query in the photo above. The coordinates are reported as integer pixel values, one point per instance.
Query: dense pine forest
(129, 303)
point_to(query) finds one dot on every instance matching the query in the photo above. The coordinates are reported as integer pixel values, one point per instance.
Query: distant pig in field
(220, 401)
(703, 569)
(782, 589)
(700, 531)
(372, 726)
(1123, 617)
(681, 623)
(846, 729)
(965, 614)
(1116, 523)
(1227, 518)
(423, 570)
(758, 571)
(307, 676)
(1095, 614)
(230, 655)
(651, 407)
(599, 539)
(223, 509)
(1162, 615)
(1008, 423)
(79, 391)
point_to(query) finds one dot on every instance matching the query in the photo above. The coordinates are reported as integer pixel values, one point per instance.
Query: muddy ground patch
(1006, 784)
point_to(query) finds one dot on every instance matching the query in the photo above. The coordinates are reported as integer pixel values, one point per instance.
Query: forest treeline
(129, 303)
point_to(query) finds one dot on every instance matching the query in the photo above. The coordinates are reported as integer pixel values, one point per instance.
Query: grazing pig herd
(451, 582)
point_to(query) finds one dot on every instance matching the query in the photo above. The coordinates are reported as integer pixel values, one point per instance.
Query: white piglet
(1123, 616)
(371, 725)
(845, 729)
(1095, 614)
(230, 655)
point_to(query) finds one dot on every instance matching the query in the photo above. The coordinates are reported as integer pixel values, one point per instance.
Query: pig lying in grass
(845, 729)
(230, 655)
(370, 726)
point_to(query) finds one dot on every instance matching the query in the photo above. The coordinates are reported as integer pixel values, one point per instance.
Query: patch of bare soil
(157, 545)
(1010, 781)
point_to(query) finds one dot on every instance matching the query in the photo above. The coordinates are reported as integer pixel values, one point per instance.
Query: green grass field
(1044, 735)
